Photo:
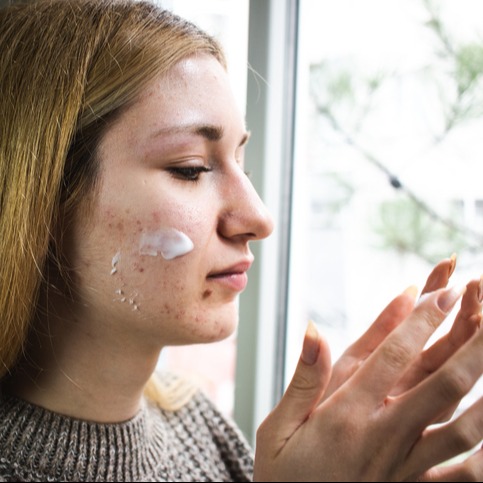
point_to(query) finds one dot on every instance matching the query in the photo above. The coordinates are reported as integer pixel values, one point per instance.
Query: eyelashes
(189, 173)
(193, 173)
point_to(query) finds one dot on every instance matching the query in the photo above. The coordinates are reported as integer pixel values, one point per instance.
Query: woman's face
(164, 251)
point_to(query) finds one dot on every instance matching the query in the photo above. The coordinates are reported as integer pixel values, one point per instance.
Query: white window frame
(270, 116)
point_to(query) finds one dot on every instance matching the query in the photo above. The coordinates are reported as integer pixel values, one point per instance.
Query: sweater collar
(34, 440)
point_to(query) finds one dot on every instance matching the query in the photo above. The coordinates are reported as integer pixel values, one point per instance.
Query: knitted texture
(194, 443)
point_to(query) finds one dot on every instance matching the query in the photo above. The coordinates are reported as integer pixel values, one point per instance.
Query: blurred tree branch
(339, 93)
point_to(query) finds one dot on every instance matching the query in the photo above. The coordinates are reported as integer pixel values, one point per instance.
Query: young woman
(125, 223)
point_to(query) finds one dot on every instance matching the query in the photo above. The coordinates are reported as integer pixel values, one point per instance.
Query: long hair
(67, 68)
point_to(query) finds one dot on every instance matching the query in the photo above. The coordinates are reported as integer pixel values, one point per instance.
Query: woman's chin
(225, 327)
(222, 324)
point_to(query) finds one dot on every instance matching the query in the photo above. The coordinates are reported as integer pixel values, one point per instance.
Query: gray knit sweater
(195, 443)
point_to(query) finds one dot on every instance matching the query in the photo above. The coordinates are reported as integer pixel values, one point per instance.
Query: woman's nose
(244, 215)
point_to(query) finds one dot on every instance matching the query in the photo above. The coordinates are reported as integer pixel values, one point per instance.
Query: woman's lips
(234, 278)
(234, 281)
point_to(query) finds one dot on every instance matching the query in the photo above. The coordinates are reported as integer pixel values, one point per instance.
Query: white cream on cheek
(115, 260)
(167, 242)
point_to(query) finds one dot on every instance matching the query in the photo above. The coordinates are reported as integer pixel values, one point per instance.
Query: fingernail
(452, 266)
(311, 347)
(480, 290)
(447, 299)
(412, 291)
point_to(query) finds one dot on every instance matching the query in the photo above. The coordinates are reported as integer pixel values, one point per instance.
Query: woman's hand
(467, 322)
(375, 425)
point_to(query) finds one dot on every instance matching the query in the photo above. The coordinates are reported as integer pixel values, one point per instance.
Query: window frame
(270, 114)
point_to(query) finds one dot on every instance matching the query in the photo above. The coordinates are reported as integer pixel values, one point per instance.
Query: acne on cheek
(168, 243)
(145, 238)
(128, 299)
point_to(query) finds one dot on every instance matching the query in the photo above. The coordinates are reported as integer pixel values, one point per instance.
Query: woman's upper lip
(240, 267)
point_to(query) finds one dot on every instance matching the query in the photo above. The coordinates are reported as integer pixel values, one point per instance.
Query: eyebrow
(207, 131)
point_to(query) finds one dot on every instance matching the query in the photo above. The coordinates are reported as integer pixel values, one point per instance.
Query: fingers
(377, 377)
(468, 319)
(302, 395)
(440, 275)
(469, 470)
(399, 309)
(395, 312)
(388, 320)
(446, 387)
(466, 324)
(445, 442)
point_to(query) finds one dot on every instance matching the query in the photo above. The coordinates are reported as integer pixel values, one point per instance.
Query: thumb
(307, 386)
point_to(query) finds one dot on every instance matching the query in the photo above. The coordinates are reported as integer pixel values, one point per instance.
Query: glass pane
(388, 164)
(212, 366)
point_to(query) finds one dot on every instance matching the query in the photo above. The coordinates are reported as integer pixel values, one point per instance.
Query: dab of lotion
(114, 263)
(167, 242)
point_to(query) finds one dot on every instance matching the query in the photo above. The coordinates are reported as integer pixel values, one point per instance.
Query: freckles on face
(146, 242)
(169, 237)
(151, 256)
(157, 273)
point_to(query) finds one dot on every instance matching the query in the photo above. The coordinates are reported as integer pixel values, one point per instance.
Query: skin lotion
(167, 242)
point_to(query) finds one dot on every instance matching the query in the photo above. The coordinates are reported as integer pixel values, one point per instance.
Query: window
(388, 159)
(366, 122)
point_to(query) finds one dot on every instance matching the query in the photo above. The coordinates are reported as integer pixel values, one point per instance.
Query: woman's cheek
(148, 266)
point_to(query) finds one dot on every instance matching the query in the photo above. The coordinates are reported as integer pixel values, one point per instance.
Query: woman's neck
(83, 368)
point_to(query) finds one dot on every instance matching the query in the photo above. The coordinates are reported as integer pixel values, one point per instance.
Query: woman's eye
(188, 173)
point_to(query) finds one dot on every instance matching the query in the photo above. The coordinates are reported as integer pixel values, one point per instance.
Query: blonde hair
(67, 68)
